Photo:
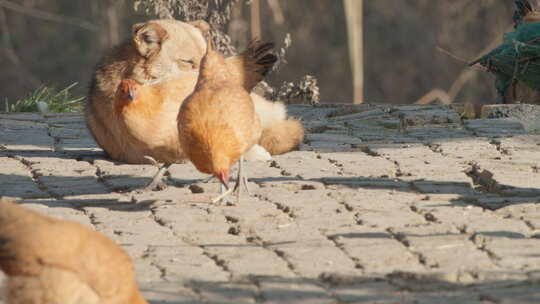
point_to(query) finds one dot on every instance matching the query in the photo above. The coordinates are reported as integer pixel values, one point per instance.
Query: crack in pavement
(402, 239)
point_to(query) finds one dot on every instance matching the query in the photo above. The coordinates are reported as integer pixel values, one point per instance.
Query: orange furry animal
(156, 51)
(280, 134)
(52, 261)
(167, 53)
(146, 115)
(217, 123)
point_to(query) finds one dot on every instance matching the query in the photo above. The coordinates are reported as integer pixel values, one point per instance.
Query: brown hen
(52, 261)
(217, 123)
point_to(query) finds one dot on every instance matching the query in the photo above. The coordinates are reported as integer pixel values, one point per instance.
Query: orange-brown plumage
(53, 261)
(217, 123)
(250, 67)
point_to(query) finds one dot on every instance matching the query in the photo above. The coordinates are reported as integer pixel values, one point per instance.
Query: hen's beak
(223, 178)
(131, 93)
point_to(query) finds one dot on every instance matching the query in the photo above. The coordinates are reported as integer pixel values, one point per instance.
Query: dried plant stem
(434, 95)
(448, 97)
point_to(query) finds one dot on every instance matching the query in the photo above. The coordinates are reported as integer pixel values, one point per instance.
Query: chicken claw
(157, 181)
(223, 194)
(240, 180)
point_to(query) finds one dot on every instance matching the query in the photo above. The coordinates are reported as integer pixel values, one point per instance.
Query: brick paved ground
(381, 205)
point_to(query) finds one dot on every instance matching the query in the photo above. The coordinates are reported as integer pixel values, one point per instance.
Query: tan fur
(158, 49)
(53, 285)
(282, 137)
(53, 261)
(149, 122)
(140, 59)
(269, 112)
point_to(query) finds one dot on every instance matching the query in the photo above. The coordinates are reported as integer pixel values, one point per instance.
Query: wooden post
(256, 19)
(113, 27)
(277, 12)
(354, 13)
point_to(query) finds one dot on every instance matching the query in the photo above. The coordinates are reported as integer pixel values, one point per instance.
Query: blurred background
(409, 48)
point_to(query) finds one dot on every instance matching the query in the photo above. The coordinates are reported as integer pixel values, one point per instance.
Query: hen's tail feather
(258, 51)
(253, 64)
(267, 62)
(257, 47)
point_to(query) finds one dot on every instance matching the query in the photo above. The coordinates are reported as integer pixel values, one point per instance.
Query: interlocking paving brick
(375, 250)
(169, 293)
(16, 180)
(282, 290)
(370, 292)
(307, 165)
(376, 207)
(361, 165)
(437, 245)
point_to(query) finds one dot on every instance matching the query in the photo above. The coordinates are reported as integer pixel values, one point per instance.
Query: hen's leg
(245, 180)
(241, 179)
(157, 180)
(225, 190)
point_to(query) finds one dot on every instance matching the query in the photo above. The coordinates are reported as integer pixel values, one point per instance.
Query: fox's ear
(202, 25)
(148, 38)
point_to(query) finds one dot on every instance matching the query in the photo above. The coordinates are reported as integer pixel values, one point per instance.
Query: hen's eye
(189, 61)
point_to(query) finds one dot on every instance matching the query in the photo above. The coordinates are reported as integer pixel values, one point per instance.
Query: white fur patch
(269, 112)
(257, 153)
